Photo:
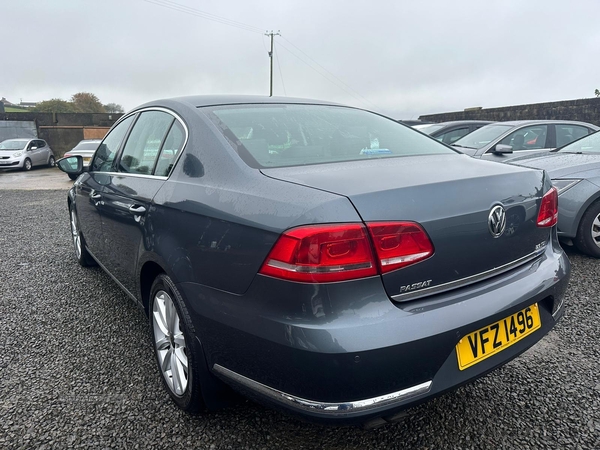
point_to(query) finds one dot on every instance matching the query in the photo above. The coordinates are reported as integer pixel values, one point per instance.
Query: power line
(323, 75)
(337, 78)
(169, 4)
(204, 15)
(280, 73)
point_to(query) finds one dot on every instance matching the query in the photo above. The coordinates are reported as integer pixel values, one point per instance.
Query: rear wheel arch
(150, 270)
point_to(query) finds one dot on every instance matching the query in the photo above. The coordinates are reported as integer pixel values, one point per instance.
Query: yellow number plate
(494, 338)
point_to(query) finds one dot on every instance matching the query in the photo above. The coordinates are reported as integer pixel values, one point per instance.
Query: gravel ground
(77, 370)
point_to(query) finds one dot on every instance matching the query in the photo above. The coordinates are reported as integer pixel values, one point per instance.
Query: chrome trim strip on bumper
(325, 408)
(468, 280)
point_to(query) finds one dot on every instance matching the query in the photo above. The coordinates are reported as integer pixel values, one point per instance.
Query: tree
(85, 102)
(55, 105)
(113, 108)
(597, 93)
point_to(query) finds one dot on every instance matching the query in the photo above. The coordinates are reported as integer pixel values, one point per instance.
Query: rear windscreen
(287, 135)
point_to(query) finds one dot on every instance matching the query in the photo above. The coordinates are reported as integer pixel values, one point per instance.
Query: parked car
(502, 141)
(25, 154)
(413, 122)
(85, 149)
(575, 171)
(316, 257)
(450, 132)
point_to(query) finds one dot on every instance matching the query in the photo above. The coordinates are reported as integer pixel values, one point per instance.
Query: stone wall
(584, 110)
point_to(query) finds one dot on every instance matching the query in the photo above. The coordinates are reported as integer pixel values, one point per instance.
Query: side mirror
(73, 165)
(501, 148)
(33, 148)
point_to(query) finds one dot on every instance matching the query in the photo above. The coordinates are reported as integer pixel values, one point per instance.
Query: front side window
(280, 135)
(144, 142)
(527, 138)
(107, 150)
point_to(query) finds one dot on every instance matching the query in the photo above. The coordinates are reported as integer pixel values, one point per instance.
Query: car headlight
(563, 184)
(16, 155)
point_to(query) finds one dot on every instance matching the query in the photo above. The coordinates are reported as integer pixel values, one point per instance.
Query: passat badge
(497, 221)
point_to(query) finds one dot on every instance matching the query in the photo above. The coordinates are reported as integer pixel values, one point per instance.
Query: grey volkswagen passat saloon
(316, 257)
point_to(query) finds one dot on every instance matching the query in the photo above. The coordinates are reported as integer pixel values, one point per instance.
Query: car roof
(218, 100)
(539, 122)
(462, 122)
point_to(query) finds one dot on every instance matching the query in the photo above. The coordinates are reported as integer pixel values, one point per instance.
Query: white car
(25, 154)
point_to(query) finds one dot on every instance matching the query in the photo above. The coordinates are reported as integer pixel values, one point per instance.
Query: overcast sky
(402, 58)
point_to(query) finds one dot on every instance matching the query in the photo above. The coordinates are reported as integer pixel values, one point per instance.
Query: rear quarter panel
(215, 220)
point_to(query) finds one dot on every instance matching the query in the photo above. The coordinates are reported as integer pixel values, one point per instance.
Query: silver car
(25, 154)
(575, 172)
(86, 150)
(503, 141)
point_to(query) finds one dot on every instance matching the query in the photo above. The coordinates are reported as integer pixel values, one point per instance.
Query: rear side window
(452, 136)
(565, 134)
(144, 142)
(107, 150)
(170, 149)
(286, 135)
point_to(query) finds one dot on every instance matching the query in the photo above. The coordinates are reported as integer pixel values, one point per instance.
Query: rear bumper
(344, 352)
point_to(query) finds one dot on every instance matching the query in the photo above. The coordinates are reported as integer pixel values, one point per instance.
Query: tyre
(27, 164)
(51, 161)
(178, 353)
(72, 177)
(81, 253)
(588, 233)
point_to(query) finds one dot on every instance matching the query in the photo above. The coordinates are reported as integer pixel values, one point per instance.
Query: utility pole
(271, 34)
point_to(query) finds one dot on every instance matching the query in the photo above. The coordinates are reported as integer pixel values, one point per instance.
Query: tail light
(399, 244)
(327, 253)
(548, 215)
(321, 253)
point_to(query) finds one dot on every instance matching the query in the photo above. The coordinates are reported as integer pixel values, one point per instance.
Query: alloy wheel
(596, 230)
(75, 234)
(169, 343)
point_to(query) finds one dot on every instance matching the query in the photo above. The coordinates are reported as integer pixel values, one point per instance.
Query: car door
(128, 196)
(524, 141)
(89, 186)
(33, 152)
(44, 152)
